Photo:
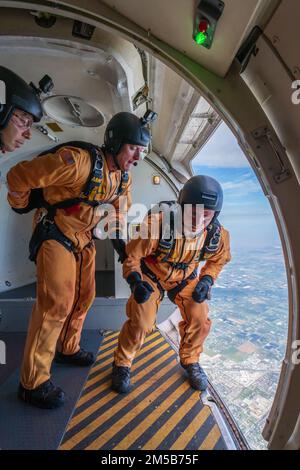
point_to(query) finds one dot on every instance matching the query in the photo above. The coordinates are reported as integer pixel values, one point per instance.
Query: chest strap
(210, 246)
(212, 241)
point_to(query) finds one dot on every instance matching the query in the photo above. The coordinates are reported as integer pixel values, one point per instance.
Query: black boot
(45, 395)
(81, 358)
(196, 375)
(120, 379)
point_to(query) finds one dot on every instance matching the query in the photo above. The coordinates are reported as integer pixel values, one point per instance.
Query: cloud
(222, 151)
(242, 187)
(243, 195)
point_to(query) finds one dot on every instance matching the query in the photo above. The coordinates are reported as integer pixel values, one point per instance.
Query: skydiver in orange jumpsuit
(73, 185)
(155, 265)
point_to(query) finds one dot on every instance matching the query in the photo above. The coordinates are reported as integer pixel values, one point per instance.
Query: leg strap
(47, 230)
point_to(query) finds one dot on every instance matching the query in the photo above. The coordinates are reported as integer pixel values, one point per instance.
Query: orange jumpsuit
(65, 280)
(195, 324)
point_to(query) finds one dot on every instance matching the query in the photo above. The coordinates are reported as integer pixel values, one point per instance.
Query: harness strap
(166, 246)
(149, 273)
(173, 292)
(91, 188)
(210, 246)
(212, 240)
(46, 230)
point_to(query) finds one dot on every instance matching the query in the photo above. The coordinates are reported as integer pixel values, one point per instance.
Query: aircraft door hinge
(268, 139)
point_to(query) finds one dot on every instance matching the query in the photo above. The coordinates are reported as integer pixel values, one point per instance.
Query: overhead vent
(72, 111)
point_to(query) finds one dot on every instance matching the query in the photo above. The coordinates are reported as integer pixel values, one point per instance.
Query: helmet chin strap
(217, 213)
(114, 156)
(116, 162)
(1, 143)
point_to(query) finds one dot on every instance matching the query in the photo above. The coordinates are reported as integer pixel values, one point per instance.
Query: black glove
(202, 289)
(141, 289)
(34, 201)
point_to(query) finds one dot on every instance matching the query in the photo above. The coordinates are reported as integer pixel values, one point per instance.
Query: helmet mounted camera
(127, 128)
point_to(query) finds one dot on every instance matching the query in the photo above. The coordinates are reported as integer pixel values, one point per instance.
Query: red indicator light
(203, 26)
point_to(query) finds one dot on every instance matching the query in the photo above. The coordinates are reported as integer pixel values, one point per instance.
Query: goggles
(22, 120)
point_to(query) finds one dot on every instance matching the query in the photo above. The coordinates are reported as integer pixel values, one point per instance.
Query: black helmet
(204, 190)
(18, 95)
(125, 128)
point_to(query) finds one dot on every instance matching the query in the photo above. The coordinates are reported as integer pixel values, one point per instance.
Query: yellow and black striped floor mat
(161, 412)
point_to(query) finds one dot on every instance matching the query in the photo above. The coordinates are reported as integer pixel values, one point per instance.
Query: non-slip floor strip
(161, 411)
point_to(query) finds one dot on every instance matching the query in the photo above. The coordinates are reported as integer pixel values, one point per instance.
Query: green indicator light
(200, 38)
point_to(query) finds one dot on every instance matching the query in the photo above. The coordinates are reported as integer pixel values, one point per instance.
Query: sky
(246, 211)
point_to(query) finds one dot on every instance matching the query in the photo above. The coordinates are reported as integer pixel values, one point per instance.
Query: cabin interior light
(156, 179)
